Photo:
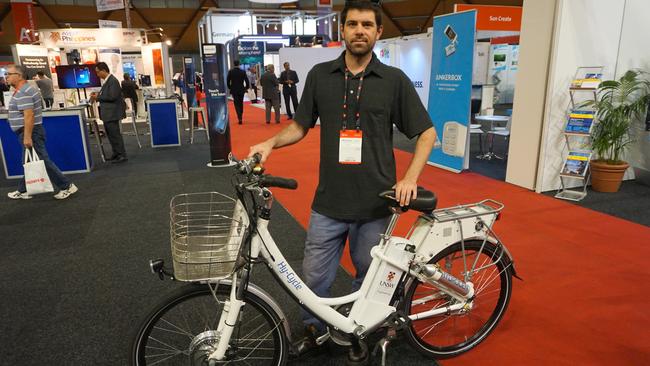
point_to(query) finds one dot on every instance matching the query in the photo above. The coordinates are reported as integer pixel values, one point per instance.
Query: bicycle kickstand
(383, 345)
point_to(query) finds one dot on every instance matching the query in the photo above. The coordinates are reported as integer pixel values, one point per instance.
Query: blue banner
(216, 100)
(190, 79)
(450, 88)
(250, 53)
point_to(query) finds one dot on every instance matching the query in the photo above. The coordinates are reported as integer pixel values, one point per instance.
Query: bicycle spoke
(161, 360)
(180, 330)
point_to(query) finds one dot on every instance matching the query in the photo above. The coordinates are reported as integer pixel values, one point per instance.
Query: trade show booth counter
(163, 122)
(66, 143)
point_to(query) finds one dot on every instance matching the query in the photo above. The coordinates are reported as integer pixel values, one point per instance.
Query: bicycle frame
(392, 258)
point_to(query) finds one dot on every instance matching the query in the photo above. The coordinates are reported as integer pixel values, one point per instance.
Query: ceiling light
(326, 22)
(275, 27)
(168, 42)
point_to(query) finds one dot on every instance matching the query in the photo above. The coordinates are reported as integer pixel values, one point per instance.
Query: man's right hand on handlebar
(263, 149)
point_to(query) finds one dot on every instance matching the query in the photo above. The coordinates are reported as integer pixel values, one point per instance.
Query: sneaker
(308, 343)
(65, 193)
(17, 195)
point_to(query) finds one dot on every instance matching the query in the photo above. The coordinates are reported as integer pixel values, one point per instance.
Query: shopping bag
(36, 179)
(251, 94)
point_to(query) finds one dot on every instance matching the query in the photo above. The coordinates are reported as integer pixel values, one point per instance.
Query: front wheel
(181, 330)
(450, 334)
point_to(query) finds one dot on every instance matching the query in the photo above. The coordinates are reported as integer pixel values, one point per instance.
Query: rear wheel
(451, 334)
(181, 330)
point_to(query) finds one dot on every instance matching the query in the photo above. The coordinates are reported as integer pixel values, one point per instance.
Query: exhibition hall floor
(76, 279)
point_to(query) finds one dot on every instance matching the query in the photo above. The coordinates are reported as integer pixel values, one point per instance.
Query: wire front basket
(207, 231)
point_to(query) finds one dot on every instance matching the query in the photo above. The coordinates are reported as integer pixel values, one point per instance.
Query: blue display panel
(164, 123)
(65, 141)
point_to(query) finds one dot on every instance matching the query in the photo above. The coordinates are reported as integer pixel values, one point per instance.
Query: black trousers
(115, 137)
(48, 102)
(290, 95)
(239, 105)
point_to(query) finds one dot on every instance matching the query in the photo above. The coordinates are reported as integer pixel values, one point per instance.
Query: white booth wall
(302, 59)
(587, 33)
(412, 55)
(635, 53)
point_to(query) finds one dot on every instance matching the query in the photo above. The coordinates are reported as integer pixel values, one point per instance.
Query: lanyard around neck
(357, 116)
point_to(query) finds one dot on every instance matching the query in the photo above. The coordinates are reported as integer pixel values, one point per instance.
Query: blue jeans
(323, 249)
(38, 143)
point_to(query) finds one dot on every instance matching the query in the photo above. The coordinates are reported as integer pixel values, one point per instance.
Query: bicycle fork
(227, 322)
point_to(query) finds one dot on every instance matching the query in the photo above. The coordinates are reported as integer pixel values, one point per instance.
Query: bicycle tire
(432, 336)
(192, 339)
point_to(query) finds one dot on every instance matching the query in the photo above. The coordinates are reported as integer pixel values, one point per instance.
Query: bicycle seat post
(393, 221)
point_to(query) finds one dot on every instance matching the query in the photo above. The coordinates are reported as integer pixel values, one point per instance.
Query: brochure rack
(577, 133)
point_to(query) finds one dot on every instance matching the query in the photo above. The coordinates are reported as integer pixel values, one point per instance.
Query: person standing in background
(237, 82)
(4, 87)
(112, 109)
(289, 79)
(270, 93)
(47, 88)
(129, 88)
(252, 80)
(26, 121)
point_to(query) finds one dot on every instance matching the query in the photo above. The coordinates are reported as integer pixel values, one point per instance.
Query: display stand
(94, 126)
(577, 134)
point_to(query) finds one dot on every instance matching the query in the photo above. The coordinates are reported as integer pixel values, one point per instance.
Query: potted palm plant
(618, 104)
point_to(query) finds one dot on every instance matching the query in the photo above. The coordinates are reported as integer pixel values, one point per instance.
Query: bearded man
(358, 99)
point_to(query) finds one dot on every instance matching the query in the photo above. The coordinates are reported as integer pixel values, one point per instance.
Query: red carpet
(585, 273)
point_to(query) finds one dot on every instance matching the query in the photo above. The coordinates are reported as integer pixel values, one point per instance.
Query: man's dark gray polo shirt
(350, 191)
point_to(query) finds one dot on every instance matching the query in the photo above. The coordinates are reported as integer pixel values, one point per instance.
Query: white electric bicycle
(446, 284)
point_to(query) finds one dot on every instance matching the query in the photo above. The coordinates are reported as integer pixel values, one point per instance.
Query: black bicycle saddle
(426, 201)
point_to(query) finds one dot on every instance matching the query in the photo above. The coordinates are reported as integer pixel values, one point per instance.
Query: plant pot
(607, 177)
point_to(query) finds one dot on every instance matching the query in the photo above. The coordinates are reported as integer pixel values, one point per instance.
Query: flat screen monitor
(145, 80)
(77, 76)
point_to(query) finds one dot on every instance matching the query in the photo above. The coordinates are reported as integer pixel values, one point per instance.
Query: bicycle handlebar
(250, 166)
(271, 181)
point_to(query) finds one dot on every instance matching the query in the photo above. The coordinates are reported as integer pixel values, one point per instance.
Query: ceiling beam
(146, 22)
(6, 10)
(198, 10)
(47, 13)
(390, 17)
(433, 12)
(107, 15)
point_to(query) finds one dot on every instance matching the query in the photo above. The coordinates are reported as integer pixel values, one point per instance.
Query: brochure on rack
(579, 122)
(590, 81)
(576, 164)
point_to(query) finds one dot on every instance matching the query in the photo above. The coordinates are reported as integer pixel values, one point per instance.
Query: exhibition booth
(551, 56)
(493, 65)
(256, 37)
(68, 57)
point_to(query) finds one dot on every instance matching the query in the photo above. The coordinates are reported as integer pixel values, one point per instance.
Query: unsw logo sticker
(388, 283)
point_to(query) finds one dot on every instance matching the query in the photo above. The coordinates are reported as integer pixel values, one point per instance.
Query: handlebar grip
(279, 182)
(257, 157)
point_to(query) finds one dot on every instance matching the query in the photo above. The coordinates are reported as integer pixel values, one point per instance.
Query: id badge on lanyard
(350, 140)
